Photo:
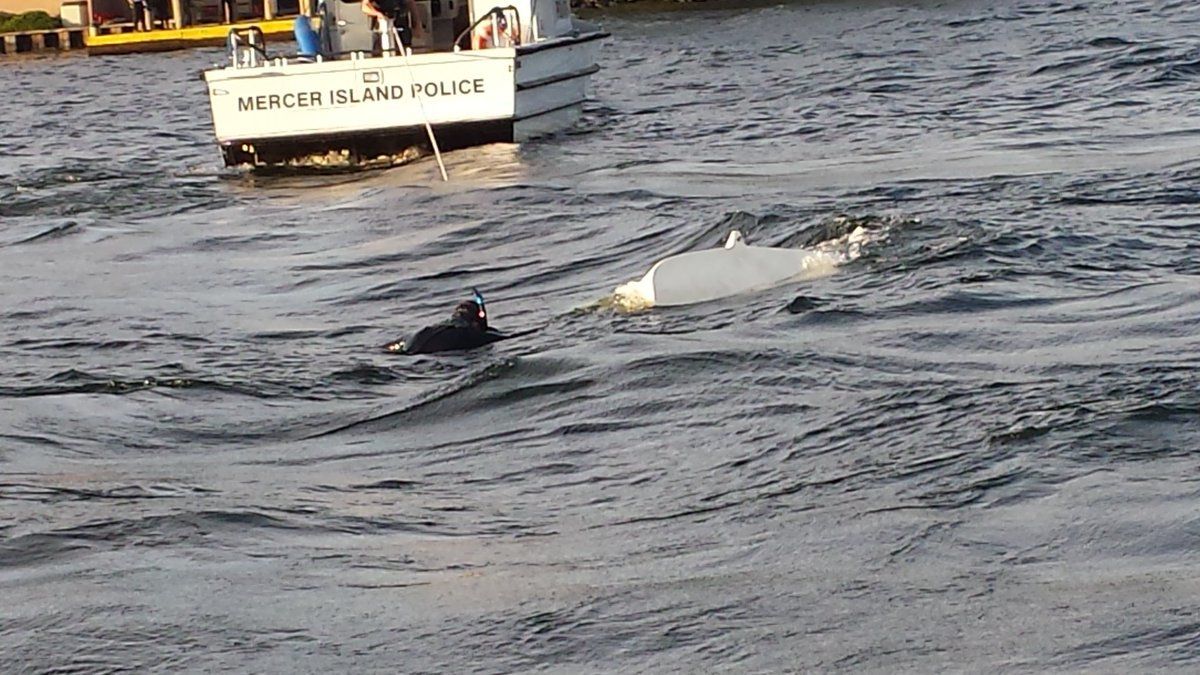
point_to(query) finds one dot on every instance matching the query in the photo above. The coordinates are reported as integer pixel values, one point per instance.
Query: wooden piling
(28, 42)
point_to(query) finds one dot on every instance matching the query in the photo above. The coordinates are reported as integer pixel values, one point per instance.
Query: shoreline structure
(76, 31)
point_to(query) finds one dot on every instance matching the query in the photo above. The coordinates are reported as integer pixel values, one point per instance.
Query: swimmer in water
(467, 328)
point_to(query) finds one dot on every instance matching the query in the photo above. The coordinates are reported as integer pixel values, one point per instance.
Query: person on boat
(485, 37)
(389, 11)
(467, 328)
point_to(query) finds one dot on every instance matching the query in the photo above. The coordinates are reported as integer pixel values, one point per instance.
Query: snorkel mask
(478, 298)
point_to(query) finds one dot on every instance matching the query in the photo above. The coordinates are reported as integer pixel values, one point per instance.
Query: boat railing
(247, 47)
(493, 15)
(247, 44)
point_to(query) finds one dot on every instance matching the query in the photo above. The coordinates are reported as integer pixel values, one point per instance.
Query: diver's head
(473, 311)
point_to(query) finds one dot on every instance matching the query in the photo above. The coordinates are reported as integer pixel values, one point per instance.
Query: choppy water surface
(969, 449)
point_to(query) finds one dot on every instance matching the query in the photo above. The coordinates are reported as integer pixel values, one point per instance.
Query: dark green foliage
(39, 20)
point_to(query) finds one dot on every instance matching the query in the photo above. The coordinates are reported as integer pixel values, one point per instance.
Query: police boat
(376, 80)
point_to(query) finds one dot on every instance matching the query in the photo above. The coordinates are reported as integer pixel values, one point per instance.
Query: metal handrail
(253, 40)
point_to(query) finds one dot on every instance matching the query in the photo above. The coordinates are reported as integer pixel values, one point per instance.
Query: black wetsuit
(467, 329)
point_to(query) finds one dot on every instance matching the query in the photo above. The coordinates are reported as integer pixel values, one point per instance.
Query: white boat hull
(712, 274)
(368, 108)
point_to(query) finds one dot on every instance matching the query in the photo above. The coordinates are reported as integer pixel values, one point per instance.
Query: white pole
(387, 33)
(416, 94)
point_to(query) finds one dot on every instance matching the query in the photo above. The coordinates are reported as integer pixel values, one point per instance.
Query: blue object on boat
(306, 37)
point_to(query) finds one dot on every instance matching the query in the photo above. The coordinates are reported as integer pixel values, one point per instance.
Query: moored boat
(367, 91)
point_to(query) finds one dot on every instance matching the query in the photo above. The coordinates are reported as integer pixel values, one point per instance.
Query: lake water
(969, 449)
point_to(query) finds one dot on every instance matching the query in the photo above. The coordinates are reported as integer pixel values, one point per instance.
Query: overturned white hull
(368, 107)
(703, 276)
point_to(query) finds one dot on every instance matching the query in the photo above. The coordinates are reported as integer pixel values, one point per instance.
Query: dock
(111, 26)
(34, 41)
(158, 40)
(161, 40)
